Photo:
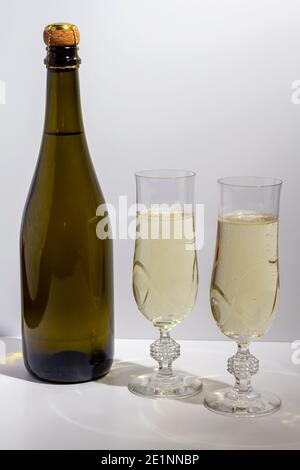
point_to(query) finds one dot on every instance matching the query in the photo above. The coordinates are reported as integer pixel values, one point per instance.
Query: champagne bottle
(66, 270)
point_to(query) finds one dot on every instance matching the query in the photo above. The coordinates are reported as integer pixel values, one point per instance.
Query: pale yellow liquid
(245, 280)
(165, 273)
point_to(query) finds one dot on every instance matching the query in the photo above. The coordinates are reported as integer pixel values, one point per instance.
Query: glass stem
(243, 365)
(165, 350)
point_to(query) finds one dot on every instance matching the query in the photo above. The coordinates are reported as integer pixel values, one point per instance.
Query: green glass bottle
(66, 270)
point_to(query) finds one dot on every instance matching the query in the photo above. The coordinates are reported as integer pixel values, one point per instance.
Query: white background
(202, 85)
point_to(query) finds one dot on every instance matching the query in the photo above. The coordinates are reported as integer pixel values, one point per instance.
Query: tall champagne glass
(165, 272)
(245, 285)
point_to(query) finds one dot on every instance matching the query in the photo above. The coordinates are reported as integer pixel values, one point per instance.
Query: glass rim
(165, 174)
(250, 181)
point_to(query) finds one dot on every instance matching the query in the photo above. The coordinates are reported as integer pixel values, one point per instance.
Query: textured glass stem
(243, 365)
(165, 350)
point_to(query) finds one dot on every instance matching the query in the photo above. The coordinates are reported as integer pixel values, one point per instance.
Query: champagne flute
(245, 285)
(165, 273)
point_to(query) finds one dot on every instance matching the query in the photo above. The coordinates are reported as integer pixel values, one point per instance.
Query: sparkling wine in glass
(165, 273)
(245, 284)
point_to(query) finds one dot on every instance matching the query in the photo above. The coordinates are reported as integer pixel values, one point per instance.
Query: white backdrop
(203, 85)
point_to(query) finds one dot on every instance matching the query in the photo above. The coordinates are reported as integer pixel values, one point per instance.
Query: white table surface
(105, 415)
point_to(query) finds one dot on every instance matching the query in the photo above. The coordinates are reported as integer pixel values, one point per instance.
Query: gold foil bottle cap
(61, 34)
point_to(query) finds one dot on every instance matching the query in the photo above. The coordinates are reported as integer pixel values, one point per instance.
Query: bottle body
(66, 270)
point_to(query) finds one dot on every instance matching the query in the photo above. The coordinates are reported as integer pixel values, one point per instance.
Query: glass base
(176, 386)
(228, 402)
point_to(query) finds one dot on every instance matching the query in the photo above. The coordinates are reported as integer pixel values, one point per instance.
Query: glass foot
(229, 402)
(176, 386)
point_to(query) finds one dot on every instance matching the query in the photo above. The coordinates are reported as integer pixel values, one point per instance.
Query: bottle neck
(63, 108)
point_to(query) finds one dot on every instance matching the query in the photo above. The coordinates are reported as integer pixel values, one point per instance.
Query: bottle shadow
(120, 374)
(12, 365)
(122, 371)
